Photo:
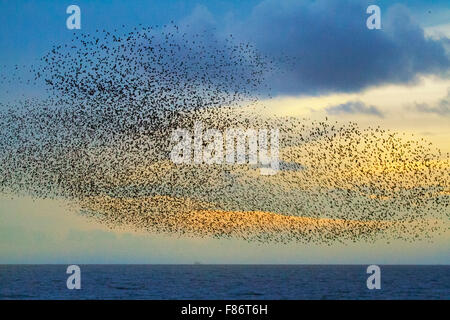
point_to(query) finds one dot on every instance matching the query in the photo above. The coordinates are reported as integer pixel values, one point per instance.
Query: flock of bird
(101, 139)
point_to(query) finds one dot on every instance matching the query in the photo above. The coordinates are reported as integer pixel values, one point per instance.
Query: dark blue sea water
(224, 282)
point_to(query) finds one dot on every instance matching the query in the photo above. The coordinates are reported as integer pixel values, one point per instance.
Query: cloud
(354, 107)
(330, 48)
(441, 108)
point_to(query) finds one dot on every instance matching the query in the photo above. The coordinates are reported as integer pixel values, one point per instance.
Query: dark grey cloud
(441, 108)
(354, 107)
(331, 49)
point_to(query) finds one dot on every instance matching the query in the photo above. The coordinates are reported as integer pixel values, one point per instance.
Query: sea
(230, 282)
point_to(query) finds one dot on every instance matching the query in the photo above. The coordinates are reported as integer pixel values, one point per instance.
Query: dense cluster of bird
(101, 139)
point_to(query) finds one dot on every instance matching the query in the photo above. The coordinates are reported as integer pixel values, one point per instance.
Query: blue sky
(329, 45)
(32, 27)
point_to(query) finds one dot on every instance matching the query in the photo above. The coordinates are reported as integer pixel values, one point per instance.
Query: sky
(397, 77)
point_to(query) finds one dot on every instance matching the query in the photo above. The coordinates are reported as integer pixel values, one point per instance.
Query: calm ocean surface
(224, 282)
